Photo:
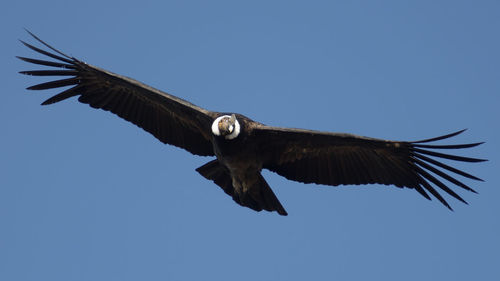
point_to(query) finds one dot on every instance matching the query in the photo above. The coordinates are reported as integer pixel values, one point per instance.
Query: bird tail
(260, 198)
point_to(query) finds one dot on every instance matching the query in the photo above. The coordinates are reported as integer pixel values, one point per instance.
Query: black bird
(243, 147)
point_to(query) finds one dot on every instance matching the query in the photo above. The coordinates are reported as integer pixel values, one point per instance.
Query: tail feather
(260, 196)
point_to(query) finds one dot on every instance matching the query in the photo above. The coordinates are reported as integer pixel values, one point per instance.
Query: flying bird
(243, 147)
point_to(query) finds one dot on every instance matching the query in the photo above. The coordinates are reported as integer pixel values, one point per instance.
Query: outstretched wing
(335, 159)
(168, 118)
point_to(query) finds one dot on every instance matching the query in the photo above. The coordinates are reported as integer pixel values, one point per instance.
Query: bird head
(226, 126)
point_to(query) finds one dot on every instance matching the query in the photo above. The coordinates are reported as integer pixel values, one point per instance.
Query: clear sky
(85, 195)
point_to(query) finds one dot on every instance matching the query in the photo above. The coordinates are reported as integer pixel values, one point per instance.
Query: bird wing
(340, 159)
(170, 119)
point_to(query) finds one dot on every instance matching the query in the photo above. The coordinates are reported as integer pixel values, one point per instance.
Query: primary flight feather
(243, 147)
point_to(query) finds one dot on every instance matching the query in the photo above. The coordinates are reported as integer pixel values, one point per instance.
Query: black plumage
(243, 147)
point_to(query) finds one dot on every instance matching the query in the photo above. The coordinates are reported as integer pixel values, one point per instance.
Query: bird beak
(232, 121)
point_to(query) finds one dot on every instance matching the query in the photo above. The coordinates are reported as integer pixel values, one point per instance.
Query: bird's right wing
(170, 119)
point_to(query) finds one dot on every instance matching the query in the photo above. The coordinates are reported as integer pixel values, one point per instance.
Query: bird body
(243, 147)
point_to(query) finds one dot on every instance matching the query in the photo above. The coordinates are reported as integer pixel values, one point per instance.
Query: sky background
(85, 195)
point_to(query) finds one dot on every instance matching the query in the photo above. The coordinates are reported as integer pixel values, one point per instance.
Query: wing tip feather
(441, 137)
(45, 44)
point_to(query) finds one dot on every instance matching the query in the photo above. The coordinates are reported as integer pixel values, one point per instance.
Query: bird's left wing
(340, 159)
(170, 119)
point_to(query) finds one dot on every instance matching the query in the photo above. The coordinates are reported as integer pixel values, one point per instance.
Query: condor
(243, 147)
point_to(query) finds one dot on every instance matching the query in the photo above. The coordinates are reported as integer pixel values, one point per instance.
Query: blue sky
(85, 195)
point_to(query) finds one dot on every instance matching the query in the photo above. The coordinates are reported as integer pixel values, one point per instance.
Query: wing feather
(170, 119)
(47, 63)
(342, 159)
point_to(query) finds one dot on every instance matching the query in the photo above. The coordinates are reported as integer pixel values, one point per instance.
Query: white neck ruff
(233, 134)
